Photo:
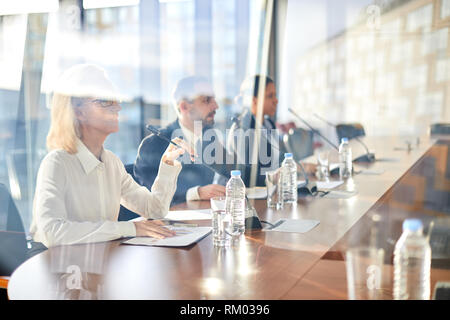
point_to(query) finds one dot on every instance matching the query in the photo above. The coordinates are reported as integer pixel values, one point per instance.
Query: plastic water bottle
(288, 179)
(345, 159)
(412, 262)
(235, 202)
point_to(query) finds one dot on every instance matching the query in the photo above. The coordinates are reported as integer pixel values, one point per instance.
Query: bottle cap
(288, 155)
(236, 173)
(412, 224)
(344, 140)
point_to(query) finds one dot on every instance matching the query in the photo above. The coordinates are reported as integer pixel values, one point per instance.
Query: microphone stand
(368, 157)
(314, 130)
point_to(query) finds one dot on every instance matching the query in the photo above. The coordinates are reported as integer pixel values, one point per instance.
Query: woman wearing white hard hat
(80, 185)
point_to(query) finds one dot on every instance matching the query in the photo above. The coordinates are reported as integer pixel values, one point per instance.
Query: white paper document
(322, 184)
(256, 193)
(185, 237)
(300, 183)
(328, 184)
(294, 225)
(334, 166)
(201, 214)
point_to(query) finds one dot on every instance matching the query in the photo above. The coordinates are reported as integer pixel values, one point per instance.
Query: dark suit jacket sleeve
(147, 162)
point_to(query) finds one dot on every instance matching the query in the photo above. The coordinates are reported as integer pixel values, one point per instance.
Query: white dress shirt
(78, 197)
(191, 139)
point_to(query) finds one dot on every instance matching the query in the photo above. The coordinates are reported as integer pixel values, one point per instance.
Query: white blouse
(78, 197)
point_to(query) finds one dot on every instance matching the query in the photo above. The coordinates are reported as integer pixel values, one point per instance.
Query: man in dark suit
(246, 129)
(243, 132)
(194, 102)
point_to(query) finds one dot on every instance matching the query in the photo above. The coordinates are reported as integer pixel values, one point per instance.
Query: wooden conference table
(261, 265)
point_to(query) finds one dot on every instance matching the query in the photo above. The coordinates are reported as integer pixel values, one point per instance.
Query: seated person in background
(80, 185)
(195, 105)
(242, 134)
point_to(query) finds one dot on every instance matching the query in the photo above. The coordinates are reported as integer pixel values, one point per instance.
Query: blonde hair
(64, 127)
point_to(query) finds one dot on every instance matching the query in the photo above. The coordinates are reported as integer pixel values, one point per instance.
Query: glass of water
(221, 222)
(364, 267)
(323, 165)
(273, 185)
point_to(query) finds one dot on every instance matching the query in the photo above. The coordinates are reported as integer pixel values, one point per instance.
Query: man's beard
(208, 123)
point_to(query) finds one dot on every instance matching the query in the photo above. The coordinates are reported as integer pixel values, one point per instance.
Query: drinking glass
(221, 222)
(273, 187)
(364, 267)
(323, 165)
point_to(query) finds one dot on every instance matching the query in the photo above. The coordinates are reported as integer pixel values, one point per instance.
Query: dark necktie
(270, 121)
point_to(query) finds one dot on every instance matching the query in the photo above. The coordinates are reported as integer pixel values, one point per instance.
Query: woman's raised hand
(173, 152)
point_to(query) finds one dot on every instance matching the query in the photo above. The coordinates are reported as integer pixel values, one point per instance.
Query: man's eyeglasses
(208, 99)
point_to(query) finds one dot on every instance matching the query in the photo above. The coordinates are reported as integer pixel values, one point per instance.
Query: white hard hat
(87, 80)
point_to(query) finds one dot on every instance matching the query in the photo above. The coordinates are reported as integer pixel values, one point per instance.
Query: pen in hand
(193, 156)
(155, 131)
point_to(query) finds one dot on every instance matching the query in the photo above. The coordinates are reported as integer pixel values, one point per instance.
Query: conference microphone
(155, 131)
(324, 120)
(335, 170)
(367, 157)
(313, 130)
(251, 216)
